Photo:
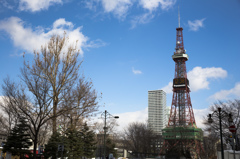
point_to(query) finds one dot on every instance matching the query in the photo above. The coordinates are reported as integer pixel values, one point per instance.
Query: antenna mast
(178, 17)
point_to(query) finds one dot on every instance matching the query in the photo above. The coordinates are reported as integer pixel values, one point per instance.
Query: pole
(220, 123)
(62, 148)
(57, 154)
(62, 152)
(234, 145)
(105, 118)
(105, 128)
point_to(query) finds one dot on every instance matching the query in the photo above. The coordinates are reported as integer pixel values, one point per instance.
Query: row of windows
(156, 104)
(156, 93)
(150, 92)
(154, 99)
(157, 123)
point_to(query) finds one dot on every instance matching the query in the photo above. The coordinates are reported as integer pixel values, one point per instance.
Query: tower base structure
(182, 142)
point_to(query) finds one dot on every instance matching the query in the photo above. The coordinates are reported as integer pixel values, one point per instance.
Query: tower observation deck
(181, 136)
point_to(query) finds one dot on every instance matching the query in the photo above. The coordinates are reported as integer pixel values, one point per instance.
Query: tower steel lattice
(181, 113)
(181, 136)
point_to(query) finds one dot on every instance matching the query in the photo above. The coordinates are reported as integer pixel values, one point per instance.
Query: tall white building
(157, 110)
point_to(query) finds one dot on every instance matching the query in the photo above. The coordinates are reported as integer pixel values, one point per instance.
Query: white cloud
(25, 38)
(141, 19)
(136, 72)
(152, 5)
(199, 114)
(199, 77)
(37, 5)
(91, 4)
(61, 23)
(119, 8)
(130, 117)
(168, 88)
(225, 94)
(95, 44)
(125, 118)
(142, 116)
(196, 24)
(30, 39)
(5, 4)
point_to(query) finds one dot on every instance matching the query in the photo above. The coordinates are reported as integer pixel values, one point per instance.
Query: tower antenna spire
(178, 17)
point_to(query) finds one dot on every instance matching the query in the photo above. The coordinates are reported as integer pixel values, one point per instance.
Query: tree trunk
(54, 120)
(35, 148)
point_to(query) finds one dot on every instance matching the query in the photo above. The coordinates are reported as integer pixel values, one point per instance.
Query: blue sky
(126, 46)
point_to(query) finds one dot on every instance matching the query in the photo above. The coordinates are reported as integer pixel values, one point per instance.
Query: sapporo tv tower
(181, 136)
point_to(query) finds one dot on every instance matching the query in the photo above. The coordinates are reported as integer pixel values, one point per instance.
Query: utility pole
(219, 114)
(220, 123)
(106, 115)
(105, 131)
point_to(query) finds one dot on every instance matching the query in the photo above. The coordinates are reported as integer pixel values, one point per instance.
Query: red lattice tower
(181, 136)
(181, 113)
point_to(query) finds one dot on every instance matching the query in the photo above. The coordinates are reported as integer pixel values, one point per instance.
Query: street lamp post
(219, 114)
(106, 115)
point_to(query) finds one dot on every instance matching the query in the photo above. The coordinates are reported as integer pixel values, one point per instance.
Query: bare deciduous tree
(84, 102)
(210, 144)
(4, 129)
(51, 86)
(231, 106)
(8, 117)
(36, 111)
(140, 139)
(111, 125)
(58, 68)
(213, 129)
